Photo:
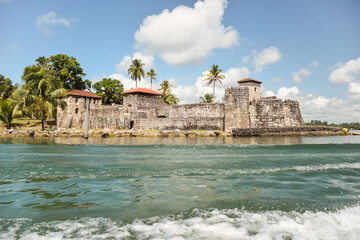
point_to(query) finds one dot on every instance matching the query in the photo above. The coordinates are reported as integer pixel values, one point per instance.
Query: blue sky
(304, 50)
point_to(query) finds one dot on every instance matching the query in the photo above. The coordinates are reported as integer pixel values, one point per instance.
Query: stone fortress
(243, 107)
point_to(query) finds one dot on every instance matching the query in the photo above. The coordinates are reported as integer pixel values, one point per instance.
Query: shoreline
(71, 133)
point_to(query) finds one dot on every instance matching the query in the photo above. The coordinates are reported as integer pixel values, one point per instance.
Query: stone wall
(74, 114)
(236, 108)
(265, 113)
(189, 123)
(283, 131)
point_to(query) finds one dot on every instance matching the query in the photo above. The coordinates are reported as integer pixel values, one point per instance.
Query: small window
(76, 100)
(161, 116)
(76, 110)
(255, 89)
(94, 100)
(129, 105)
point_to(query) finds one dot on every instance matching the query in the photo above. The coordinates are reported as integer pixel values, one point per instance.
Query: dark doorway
(131, 124)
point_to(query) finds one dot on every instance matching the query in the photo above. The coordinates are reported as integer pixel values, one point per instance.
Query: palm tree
(165, 87)
(7, 112)
(43, 89)
(152, 75)
(213, 76)
(208, 98)
(136, 70)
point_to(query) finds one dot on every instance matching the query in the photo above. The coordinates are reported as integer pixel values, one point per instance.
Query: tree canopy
(42, 89)
(207, 98)
(6, 87)
(136, 70)
(167, 96)
(214, 76)
(152, 75)
(110, 90)
(68, 71)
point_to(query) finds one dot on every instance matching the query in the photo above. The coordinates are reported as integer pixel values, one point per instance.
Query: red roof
(79, 93)
(248, 80)
(142, 90)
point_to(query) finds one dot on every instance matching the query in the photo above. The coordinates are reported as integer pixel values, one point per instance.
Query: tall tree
(165, 87)
(167, 96)
(68, 70)
(136, 70)
(6, 87)
(152, 75)
(42, 89)
(7, 112)
(207, 98)
(214, 76)
(110, 90)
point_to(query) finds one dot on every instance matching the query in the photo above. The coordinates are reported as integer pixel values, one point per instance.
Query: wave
(322, 167)
(198, 224)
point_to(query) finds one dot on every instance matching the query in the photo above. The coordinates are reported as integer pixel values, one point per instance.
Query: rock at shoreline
(30, 132)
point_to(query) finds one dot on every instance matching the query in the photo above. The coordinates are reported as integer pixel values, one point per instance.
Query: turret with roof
(141, 97)
(254, 87)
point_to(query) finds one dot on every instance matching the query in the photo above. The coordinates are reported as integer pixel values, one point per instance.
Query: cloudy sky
(305, 50)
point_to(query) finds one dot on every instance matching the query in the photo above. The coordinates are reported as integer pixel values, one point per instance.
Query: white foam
(210, 224)
(322, 167)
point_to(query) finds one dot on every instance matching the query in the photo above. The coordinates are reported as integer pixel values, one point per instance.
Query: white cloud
(129, 83)
(354, 88)
(322, 108)
(186, 35)
(285, 92)
(347, 72)
(299, 76)
(265, 57)
(124, 65)
(48, 21)
(354, 91)
(269, 94)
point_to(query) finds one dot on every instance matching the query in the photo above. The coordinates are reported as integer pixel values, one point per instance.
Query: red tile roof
(79, 93)
(142, 90)
(248, 80)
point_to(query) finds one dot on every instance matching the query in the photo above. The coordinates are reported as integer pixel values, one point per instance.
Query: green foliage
(110, 90)
(208, 98)
(214, 76)
(170, 99)
(165, 87)
(152, 75)
(167, 96)
(136, 70)
(68, 70)
(42, 90)
(7, 112)
(352, 125)
(6, 87)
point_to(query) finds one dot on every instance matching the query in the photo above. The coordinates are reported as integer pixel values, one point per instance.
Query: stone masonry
(242, 107)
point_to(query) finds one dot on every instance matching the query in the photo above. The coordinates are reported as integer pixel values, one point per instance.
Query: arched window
(255, 89)
(76, 110)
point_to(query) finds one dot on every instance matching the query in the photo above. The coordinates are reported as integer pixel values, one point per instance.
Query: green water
(201, 188)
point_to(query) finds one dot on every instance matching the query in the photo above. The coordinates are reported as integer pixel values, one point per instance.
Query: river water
(180, 188)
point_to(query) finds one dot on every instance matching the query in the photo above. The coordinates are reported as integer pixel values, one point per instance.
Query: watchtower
(254, 87)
